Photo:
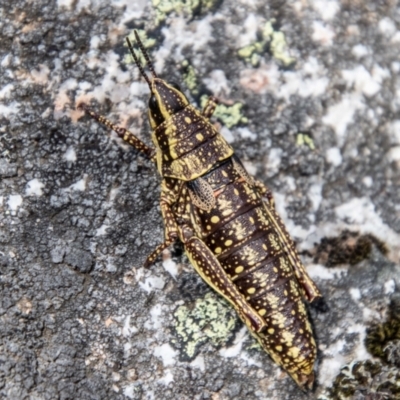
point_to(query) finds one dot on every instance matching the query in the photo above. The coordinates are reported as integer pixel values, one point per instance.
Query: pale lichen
(210, 319)
(271, 39)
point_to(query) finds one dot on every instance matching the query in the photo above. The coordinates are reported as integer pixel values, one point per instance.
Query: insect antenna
(146, 56)
(142, 72)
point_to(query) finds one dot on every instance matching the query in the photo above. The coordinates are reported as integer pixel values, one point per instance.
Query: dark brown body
(243, 237)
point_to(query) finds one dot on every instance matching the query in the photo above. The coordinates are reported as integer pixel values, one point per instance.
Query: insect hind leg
(209, 107)
(123, 133)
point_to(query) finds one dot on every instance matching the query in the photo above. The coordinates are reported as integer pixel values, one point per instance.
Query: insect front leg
(123, 133)
(169, 194)
(209, 107)
(209, 268)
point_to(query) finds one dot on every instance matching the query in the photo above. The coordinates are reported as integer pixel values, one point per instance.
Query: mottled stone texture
(311, 104)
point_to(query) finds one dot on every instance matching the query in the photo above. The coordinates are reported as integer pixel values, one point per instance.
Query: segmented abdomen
(241, 234)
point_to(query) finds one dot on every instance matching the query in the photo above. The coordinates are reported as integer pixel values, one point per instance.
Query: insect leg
(123, 133)
(171, 232)
(209, 268)
(210, 106)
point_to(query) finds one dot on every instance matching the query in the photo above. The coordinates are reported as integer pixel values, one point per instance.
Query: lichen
(187, 8)
(228, 115)
(365, 380)
(190, 78)
(210, 319)
(383, 340)
(347, 248)
(272, 40)
(304, 139)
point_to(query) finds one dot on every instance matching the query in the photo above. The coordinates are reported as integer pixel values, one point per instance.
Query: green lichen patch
(190, 78)
(209, 320)
(383, 340)
(365, 380)
(148, 43)
(187, 8)
(304, 139)
(229, 115)
(270, 40)
(347, 248)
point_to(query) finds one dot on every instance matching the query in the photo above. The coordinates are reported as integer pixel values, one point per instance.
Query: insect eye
(175, 85)
(153, 104)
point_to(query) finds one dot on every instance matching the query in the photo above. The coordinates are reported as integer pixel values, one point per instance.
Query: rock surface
(311, 102)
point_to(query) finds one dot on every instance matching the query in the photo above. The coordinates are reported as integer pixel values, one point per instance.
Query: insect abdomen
(239, 231)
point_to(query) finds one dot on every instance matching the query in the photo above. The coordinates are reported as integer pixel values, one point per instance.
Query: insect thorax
(188, 146)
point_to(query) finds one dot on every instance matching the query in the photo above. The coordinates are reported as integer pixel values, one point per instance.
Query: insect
(227, 223)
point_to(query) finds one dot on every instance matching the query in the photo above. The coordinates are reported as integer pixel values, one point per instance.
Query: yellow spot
(293, 352)
(238, 270)
(252, 221)
(228, 242)
(199, 137)
(278, 348)
(188, 120)
(214, 219)
(236, 192)
(208, 227)
(271, 331)
(251, 290)
(224, 173)
(218, 250)
(262, 312)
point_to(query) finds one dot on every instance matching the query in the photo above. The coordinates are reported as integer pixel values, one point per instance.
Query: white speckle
(217, 83)
(34, 188)
(365, 82)
(327, 9)
(236, 348)
(130, 391)
(274, 160)
(323, 33)
(355, 294)
(394, 154)
(246, 133)
(333, 156)
(78, 186)
(6, 91)
(166, 353)
(341, 114)
(198, 362)
(5, 62)
(167, 378)
(151, 283)
(102, 230)
(320, 272)
(14, 201)
(128, 329)
(387, 26)
(70, 155)
(315, 195)
(155, 322)
(367, 181)
(360, 50)
(303, 84)
(227, 134)
(394, 131)
(11, 108)
(64, 4)
(389, 286)
(250, 167)
(171, 267)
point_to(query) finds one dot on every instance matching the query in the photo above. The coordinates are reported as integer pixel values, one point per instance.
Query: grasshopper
(227, 223)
